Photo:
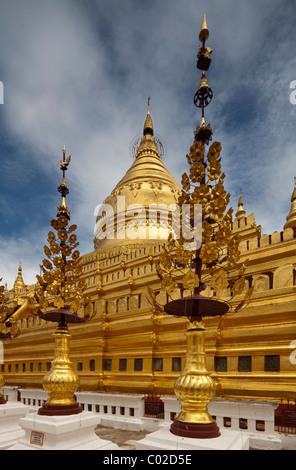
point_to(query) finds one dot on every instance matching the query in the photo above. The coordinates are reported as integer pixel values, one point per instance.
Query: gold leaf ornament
(190, 281)
(51, 237)
(54, 224)
(216, 208)
(55, 249)
(66, 250)
(214, 151)
(71, 279)
(62, 234)
(75, 255)
(72, 238)
(214, 170)
(201, 194)
(52, 289)
(207, 231)
(59, 302)
(58, 262)
(59, 276)
(219, 280)
(48, 278)
(165, 261)
(183, 256)
(185, 182)
(81, 284)
(47, 264)
(197, 172)
(70, 265)
(223, 235)
(75, 305)
(88, 309)
(184, 198)
(47, 251)
(43, 302)
(79, 269)
(62, 221)
(197, 151)
(238, 286)
(209, 252)
(167, 283)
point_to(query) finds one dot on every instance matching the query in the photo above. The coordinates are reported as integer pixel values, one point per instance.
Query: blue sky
(78, 73)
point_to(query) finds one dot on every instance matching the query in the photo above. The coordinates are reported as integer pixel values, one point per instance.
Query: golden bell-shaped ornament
(204, 93)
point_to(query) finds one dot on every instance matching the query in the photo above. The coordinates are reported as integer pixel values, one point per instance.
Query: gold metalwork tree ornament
(212, 261)
(61, 294)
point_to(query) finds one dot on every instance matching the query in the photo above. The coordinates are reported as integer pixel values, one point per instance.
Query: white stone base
(73, 432)
(10, 431)
(163, 439)
(129, 424)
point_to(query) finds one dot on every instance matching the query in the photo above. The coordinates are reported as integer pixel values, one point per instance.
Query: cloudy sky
(78, 73)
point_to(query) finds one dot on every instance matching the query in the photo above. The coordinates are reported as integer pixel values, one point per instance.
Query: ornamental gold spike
(204, 32)
(148, 126)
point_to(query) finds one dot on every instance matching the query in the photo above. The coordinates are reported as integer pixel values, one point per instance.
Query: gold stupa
(145, 183)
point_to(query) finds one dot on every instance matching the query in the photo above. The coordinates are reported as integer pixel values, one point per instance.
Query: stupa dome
(146, 184)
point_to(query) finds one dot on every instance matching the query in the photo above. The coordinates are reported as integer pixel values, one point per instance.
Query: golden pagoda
(129, 346)
(19, 282)
(147, 182)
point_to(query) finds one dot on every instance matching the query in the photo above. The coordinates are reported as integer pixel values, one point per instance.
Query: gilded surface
(195, 387)
(61, 381)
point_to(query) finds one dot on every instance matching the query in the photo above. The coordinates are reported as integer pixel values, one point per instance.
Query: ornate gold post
(195, 389)
(61, 381)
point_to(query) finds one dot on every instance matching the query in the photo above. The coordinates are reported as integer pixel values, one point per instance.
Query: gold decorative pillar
(61, 381)
(195, 389)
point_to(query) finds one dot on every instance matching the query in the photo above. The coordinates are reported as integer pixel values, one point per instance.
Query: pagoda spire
(241, 211)
(148, 142)
(19, 282)
(148, 126)
(291, 217)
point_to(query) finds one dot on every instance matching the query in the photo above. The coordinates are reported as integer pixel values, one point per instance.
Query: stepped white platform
(73, 432)
(10, 431)
(163, 439)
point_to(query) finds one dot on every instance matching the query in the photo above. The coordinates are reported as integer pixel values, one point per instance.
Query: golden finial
(204, 32)
(148, 126)
(241, 211)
